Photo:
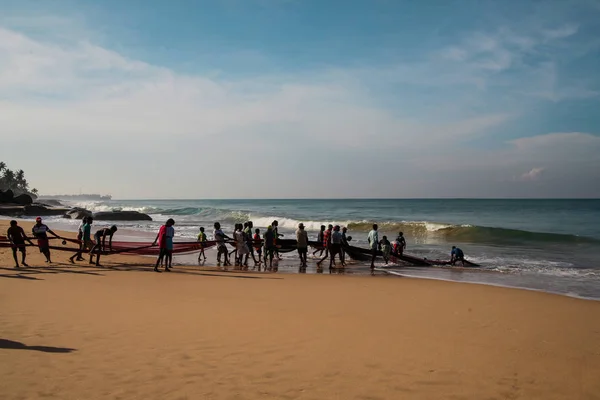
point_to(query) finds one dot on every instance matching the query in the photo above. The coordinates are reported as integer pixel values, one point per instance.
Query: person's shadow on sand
(9, 344)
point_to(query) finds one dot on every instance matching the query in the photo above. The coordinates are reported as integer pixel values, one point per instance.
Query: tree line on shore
(14, 181)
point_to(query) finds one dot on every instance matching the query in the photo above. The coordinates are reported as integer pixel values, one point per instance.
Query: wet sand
(123, 331)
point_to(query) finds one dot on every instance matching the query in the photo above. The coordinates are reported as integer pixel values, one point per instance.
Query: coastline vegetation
(14, 180)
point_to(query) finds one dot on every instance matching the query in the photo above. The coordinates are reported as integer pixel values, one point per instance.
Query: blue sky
(276, 98)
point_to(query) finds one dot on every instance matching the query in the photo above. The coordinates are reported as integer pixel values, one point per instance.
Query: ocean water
(549, 245)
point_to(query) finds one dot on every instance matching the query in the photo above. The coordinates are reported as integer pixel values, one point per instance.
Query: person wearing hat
(302, 240)
(41, 231)
(16, 236)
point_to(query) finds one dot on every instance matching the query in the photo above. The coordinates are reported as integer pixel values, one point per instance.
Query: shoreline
(201, 333)
(287, 267)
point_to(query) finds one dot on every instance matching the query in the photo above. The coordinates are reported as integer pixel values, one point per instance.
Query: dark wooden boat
(361, 254)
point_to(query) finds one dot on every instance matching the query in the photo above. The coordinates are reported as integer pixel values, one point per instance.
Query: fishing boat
(361, 254)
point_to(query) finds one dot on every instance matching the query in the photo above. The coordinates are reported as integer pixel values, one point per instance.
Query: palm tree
(8, 179)
(34, 191)
(14, 181)
(2, 168)
(20, 180)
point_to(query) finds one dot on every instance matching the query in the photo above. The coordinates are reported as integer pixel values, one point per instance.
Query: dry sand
(80, 332)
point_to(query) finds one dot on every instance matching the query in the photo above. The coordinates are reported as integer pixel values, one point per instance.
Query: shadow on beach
(186, 270)
(11, 344)
(27, 272)
(50, 269)
(20, 276)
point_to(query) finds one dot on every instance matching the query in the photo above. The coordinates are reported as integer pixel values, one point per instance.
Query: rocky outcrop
(6, 196)
(34, 210)
(78, 213)
(31, 210)
(22, 199)
(9, 197)
(121, 216)
(50, 202)
(11, 210)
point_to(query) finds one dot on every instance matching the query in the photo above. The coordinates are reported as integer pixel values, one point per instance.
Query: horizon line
(361, 198)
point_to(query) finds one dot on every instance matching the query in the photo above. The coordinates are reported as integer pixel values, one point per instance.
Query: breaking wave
(414, 229)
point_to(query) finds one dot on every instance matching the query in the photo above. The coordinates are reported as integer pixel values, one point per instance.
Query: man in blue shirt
(457, 255)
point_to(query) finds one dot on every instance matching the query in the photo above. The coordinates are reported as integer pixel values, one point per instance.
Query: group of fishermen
(247, 242)
(40, 231)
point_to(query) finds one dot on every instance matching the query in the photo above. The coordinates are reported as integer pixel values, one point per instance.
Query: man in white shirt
(373, 245)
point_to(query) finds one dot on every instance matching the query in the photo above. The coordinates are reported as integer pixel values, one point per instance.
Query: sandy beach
(125, 332)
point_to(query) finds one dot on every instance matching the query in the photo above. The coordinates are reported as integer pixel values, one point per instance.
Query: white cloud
(558, 141)
(144, 130)
(561, 32)
(83, 89)
(69, 96)
(532, 175)
(481, 58)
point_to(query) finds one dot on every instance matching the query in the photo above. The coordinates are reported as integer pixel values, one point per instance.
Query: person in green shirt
(86, 240)
(202, 239)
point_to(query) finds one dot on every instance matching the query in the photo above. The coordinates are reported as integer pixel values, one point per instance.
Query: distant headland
(91, 197)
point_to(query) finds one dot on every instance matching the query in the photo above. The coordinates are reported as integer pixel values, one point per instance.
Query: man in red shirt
(326, 244)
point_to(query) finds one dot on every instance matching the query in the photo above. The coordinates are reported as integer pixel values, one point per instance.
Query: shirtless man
(100, 246)
(320, 249)
(16, 236)
(276, 236)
